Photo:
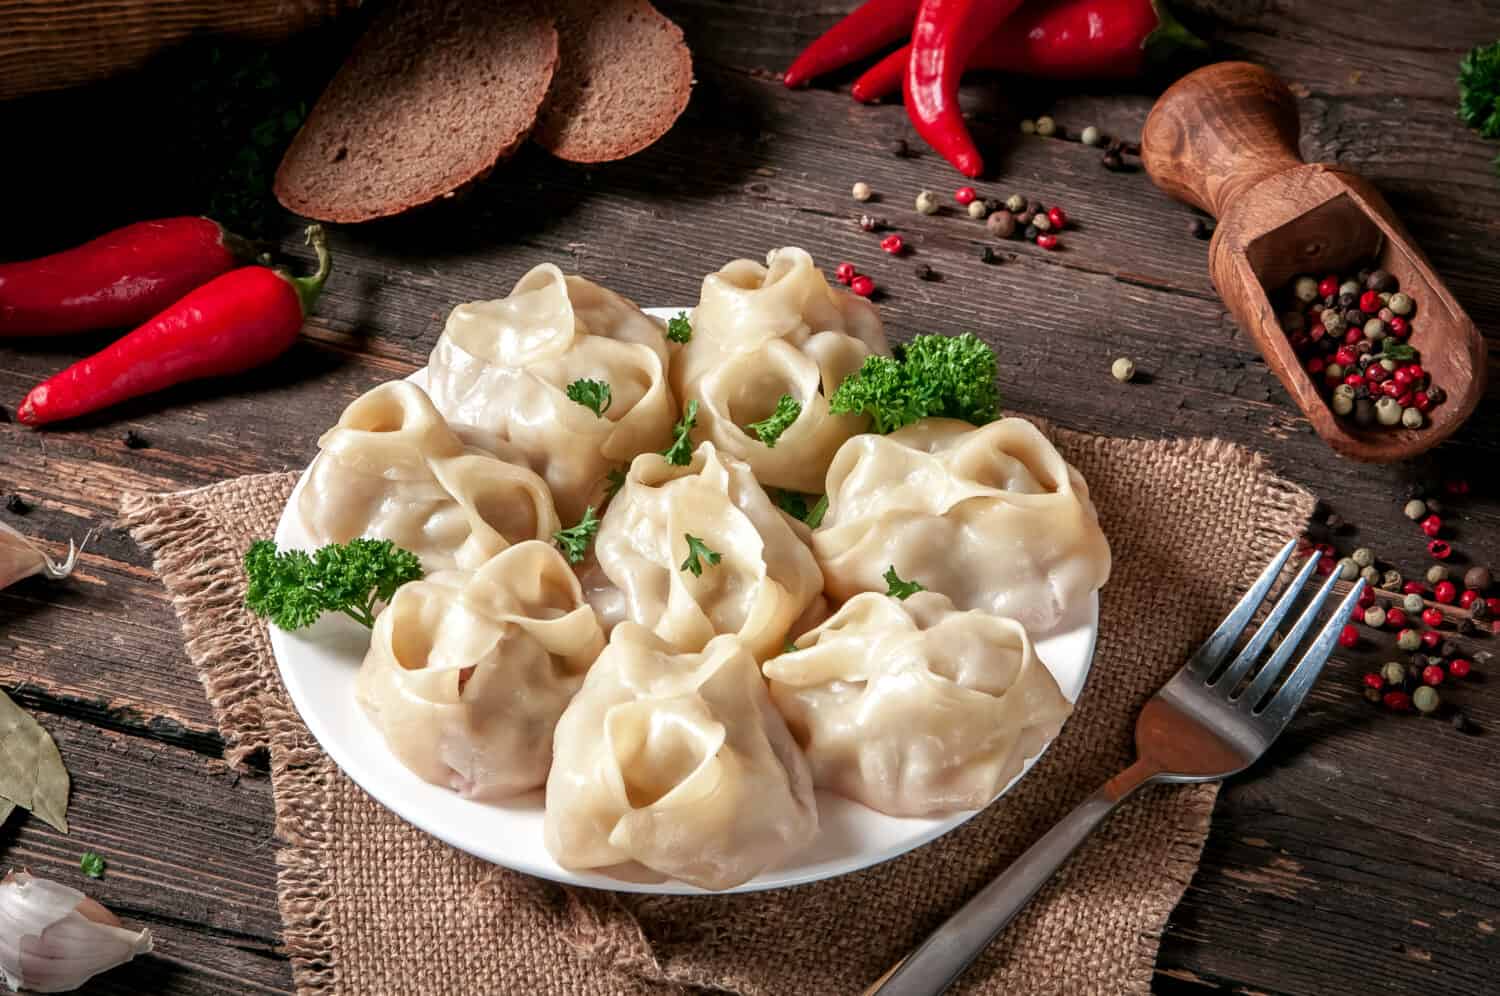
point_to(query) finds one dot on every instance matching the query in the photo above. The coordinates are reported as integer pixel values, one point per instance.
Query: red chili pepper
(234, 322)
(944, 35)
(119, 279)
(873, 25)
(1066, 39)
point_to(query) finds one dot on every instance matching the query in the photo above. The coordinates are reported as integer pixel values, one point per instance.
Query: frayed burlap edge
(252, 712)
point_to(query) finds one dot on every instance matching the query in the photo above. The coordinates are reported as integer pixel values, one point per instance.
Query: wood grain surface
(1358, 858)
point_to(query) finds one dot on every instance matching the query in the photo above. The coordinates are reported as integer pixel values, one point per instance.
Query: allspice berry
(1001, 224)
(1478, 578)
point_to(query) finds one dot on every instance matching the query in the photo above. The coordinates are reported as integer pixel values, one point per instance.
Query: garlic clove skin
(53, 939)
(21, 558)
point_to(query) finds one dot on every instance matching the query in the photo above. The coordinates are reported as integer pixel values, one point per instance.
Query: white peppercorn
(1413, 604)
(1409, 639)
(1306, 289)
(1393, 672)
(1388, 411)
(1042, 222)
(977, 209)
(1123, 369)
(1375, 330)
(1416, 509)
(1092, 136)
(1375, 617)
(862, 191)
(1342, 404)
(1371, 575)
(1334, 371)
(1391, 580)
(1015, 204)
(1436, 574)
(1413, 418)
(1400, 303)
(927, 202)
(1426, 699)
(1364, 556)
(1349, 287)
(1348, 569)
(1333, 322)
(1045, 126)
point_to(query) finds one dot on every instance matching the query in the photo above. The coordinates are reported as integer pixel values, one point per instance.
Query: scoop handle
(1219, 131)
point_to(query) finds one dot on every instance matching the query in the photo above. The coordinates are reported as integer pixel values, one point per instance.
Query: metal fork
(1199, 727)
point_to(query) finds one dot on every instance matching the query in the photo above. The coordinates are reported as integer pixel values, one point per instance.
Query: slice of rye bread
(625, 77)
(434, 94)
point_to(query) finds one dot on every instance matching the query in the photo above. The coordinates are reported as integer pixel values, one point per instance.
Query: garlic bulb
(53, 939)
(21, 558)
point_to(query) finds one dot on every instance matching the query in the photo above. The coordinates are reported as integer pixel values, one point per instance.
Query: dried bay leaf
(32, 774)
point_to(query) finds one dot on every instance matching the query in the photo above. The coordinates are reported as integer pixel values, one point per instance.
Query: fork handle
(950, 949)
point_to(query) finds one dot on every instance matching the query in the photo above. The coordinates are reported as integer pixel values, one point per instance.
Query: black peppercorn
(1436, 395)
(1201, 228)
(925, 272)
(1479, 610)
(987, 255)
(1380, 281)
(1361, 393)
(1353, 316)
(4, 414)
(900, 149)
(1112, 161)
(1460, 721)
(1032, 232)
(17, 505)
(1434, 506)
(1347, 301)
(1449, 649)
(135, 441)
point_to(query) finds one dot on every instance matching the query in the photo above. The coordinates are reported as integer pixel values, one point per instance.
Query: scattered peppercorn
(1432, 617)
(1348, 637)
(1413, 604)
(1477, 578)
(1374, 617)
(1397, 701)
(1373, 680)
(1432, 526)
(927, 202)
(1395, 616)
(965, 195)
(893, 244)
(988, 255)
(1364, 556)
(1460, 721)
(1432, 639)
(1123, 369)
(900, 149)
(1426, 699)
(1091, 136)
(1057, 217)
(16, 505)
(1373, 694)
(1392, 673)
(1348, 569)
(862, 191)
(1045, 126)
(1015, 204)
(1468, 599)
(135, 441)
(1031, 231)
(925, 272)
(1459, 668)
(1391, 580)
(978, 210)
(1408, 639)
(1439, 549)
(1449, 649)
(1047, 241)
(870, 223)
(1112, 160)
(1001, 224)
(1445, 592)
(844, 273)
(1437, 573)
(1432, 674)
(862, 285)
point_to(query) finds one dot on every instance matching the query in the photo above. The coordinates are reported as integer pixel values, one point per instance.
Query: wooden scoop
(1224, 138)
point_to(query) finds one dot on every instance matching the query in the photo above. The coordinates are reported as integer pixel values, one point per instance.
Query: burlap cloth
(372, 906)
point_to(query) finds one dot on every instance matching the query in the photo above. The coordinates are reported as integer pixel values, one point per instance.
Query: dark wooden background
(1358, 858)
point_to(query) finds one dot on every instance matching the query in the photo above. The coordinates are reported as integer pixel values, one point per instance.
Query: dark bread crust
(625, 76)
(434, 94)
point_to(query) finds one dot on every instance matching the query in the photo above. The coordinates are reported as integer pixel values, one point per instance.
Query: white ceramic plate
(319, 664)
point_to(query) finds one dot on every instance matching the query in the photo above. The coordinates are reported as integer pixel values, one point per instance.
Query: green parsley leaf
(614, 481)
(1479, 90)
(789, 647)
(814, 519)
(293, 589)
(92, 864)
(770, 428)
(679, 329)
(594, 395)
(934, 375)
(793, 503)
(574, 541)
(1397, 350)
(696, 549)
(896, 588)
(680, 453)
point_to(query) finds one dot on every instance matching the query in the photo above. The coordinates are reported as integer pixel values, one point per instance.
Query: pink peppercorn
(1047, 240)
(862, 285)
(1467, 599)
(1414, 588)
(1367, 598)
(1058, 217)
(1432, 525)
(1439, 549)
(1348, 637)
(1345, 357)
(1433, 675)
(1459, 668)
(1400, 327)
(844, 273)
(1328, 286)
(1377, 374)
(1373, 680)
(1396, 616)
(1369, 302)
(1493, 604)
(1397, 701)
(1432, 617)
(1422, 401)
(1445, 592)
(1353, 379)
(893, 244)
(1353, 335)
(1316, 365)
(965, 195)
(1432, 639)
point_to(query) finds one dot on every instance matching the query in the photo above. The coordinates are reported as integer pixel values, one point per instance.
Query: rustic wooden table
(1358, 858)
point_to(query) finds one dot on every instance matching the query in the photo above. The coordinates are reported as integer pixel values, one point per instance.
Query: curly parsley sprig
(679, 329)
(897, 588)
(698, 551)
(594, 395)
(680, 453)
(934, 375)
(574, 541)
(770, 428)
(293, 588)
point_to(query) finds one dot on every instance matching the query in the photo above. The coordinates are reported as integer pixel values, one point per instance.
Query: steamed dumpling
(393, 469)
(992, 517)
(501, 370)
(677, 761)
(763, 332)
(766, 577)
(467, 673)
(914, 708)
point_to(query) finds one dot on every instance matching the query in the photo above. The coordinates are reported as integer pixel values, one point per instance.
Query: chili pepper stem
(1169, 37)
(308, 288)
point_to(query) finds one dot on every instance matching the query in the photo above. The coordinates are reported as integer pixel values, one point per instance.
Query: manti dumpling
(914, 708)
(393, 469)
(764, 581)
(467, 673)
(677, 761)
(501, 370)
(760, 332)
(992, 517)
